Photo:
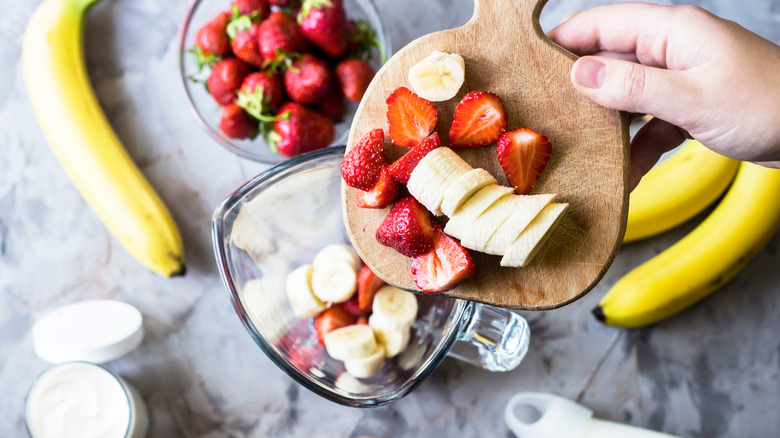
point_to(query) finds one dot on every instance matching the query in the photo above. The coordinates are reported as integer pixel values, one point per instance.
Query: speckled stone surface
(713, 371)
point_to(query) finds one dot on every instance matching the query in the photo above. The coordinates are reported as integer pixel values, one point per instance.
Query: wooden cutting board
(507, 53)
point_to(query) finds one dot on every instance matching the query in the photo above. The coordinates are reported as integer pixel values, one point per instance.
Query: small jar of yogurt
(84, 400)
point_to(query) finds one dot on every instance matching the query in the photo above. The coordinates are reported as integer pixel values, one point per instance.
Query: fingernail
(589, 72)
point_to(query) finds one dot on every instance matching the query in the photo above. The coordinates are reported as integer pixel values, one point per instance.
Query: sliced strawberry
(368, 284)
(523, 154)
(382, 194)
(362, 166)
(407, 228)
(402, 168)
(411, 117)
(480, 119)
(333, 318)
(445, 267)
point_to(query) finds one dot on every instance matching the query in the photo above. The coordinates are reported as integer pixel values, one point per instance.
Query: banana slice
(366, 366)
(438, 77)
(300, 295)
(396, 309)
(252, 236)
(464, 218)
(464, 188)
(350, 342)
(337, 251)
(333, 281)
(433, 176)
(524, 210)
(533, 237)
(394, 341)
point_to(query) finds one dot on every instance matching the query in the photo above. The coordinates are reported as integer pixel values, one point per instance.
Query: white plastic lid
(559, 417)
(94, 331)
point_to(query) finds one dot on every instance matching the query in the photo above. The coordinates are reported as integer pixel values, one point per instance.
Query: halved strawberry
(368, 284)
(407, 228)
(402, 168)
(445, 267)
(411, 117)
(382, 194)
(362, 166)
(333, 318)
(523, 154)
(480, 119)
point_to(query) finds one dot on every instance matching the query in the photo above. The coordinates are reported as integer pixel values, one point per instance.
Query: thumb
(633, 87)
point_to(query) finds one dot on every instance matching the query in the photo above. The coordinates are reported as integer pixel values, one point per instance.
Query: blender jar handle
(492, 338)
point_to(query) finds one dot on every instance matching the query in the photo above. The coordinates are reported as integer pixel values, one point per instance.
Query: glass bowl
(295, 210)
(207, 112)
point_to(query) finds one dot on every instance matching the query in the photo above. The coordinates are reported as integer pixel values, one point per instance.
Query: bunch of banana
(677, 190)
(713, 253)
(84, 142)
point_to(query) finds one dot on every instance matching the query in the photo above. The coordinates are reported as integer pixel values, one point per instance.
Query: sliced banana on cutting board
(438, 77)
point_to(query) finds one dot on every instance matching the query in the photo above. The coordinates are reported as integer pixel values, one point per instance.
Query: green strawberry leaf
(308, 5)
(366, 40)
(203, 58)
(238, 24)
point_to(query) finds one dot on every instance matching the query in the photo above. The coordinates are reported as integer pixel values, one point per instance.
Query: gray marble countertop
(713, 371)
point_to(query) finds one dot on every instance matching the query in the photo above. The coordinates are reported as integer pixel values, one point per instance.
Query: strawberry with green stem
(212, 42)
(226, 78)
(297, 129)
(261, 94)
(237, 123)
(324, 23)
(308, 79)
(280, 37)
(260, 8)
(244, 31)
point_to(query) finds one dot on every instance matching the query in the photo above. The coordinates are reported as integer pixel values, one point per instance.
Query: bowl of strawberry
(322, 315)
(272, 79)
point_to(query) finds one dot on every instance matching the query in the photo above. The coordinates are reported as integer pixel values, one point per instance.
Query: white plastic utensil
(562, 418)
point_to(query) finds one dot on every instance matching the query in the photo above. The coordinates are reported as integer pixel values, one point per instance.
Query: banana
(434, 175)
(84, 142)
(267, 308)
(350, 342)
(366, 366)
(533, 237)
(704, 260)
(337, 251)
(333, 281)
(677, 190)
(438, 77)
(464, 188)
(394, 340)
(464, 218)
(300, 294)
(524, 210)
(394, 309)
(252, 236)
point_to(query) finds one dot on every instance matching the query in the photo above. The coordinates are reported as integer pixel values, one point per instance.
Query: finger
(630, 57)
(652, 141)
(639, 28)
(632, 87)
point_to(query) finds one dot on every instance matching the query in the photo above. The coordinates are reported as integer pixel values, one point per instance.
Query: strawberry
(324, 22)
(260, 8)
(368, 284)
(333, 318)
(523, 154)
(362, 165)
(243, 39)
(480, 119)
(353, 76)
(237, 123)
(261, 93)
(333, 106)
(298, 129)
(445, 267)
(411, 117)
(407, 228)
(308, 79)
(225, 79)
(351, 306)
(382, 194)
(211, 41)
(279, 36)
(362, 320)
(402, 168)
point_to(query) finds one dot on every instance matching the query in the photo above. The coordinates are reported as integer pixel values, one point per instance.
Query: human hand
(689, 69)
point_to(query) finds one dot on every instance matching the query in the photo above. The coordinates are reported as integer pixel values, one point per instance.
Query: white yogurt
(83, 400)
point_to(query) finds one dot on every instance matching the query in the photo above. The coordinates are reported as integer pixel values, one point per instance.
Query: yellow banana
(735, 232)
(677, 190)
(84, 142)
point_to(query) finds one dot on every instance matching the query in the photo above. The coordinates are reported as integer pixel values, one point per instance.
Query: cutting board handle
(519, 15)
